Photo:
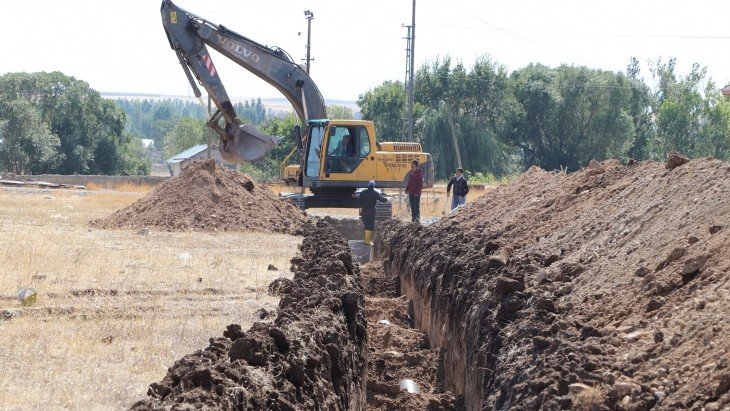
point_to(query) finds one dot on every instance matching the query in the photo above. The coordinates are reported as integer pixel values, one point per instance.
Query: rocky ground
(606, 288)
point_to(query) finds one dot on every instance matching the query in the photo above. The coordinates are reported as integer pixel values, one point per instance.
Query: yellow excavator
(337, 158)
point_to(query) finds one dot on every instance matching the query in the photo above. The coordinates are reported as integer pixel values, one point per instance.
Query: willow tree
(571, 115)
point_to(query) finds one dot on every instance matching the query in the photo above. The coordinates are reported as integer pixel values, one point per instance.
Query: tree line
(556, 118)
(154, 119)
(53, 123)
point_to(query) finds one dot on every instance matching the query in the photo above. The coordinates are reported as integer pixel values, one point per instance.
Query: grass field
(115, 308)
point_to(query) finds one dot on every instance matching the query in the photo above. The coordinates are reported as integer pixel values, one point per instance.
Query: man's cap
(371, 183)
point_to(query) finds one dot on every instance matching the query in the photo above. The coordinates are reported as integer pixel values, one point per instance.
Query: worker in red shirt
(413, 189)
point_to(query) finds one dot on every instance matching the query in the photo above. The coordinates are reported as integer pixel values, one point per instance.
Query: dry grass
(590, 399)
(115, 308)
(127, 187)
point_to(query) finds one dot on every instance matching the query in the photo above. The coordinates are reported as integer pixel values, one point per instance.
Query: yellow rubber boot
(368, 237)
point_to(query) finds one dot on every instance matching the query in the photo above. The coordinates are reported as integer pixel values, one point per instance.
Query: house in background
(177, 162)
(726, 90)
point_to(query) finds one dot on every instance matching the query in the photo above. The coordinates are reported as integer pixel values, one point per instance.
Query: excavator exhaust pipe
(246, 143)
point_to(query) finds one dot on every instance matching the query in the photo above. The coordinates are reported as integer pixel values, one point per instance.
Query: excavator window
(342, 150)
(364, 140)
(314, 148)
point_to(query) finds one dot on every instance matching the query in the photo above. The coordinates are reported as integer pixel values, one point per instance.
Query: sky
(120, 46)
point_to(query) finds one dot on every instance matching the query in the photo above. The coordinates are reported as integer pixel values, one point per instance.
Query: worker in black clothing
(368, 200)
(461, 188)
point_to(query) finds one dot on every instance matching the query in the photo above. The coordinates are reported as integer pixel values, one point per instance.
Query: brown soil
(312, 356)
(206, 197)
(374, 281)
(396, 351)
(601, 289)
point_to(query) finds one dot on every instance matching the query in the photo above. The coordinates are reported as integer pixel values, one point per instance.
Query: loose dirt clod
(579, 280)
(675, 160)
(207, 197)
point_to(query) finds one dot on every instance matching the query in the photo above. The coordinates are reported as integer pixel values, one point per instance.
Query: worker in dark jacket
(368, 201)
(413, 189)
(461, 188)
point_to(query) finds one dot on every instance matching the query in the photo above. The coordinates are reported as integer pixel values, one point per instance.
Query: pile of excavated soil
(312, 356)
(207, 197)
(601, 289)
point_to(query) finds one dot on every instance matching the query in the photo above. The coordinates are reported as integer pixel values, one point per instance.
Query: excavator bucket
(246, 143)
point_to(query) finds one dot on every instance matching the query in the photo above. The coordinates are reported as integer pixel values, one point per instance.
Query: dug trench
(403, 371)
(341, 339)
(601, 289)
(606, 288)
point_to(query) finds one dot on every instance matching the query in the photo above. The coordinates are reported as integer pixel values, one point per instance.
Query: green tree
(340, 112)
(571, 115)
(679, 109)
(90, 128)
(384, 105)
(715, 133)
(185, 133)
(26, 143)
(136, 158)
(481, 103)
(640, 110)
(481, 151)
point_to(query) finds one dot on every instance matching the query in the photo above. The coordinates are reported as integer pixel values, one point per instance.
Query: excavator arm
(190, 36)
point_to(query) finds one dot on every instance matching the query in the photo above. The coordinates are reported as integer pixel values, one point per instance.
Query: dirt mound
(601, 289)
(207, 197)
(312, 356)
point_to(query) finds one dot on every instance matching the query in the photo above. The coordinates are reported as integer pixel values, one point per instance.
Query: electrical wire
(578, 33)
(523, 38)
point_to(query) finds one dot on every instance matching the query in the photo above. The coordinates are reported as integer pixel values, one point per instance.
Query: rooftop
(187, 153)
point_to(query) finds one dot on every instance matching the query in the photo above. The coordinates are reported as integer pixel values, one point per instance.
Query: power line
(498, 28)
(594, 34)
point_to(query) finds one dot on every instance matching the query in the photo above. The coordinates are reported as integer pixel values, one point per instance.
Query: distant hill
(274, 104)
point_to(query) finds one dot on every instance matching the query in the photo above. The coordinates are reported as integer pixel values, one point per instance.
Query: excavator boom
(190, 36)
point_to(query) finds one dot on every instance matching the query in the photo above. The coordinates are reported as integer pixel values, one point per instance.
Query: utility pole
(309, 16)
(407, 80)
(412, 76)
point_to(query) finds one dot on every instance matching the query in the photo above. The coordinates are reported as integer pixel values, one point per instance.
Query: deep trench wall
(616, 277)
(312, 356)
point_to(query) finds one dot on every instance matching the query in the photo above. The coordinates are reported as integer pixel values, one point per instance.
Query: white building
(200, 152)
